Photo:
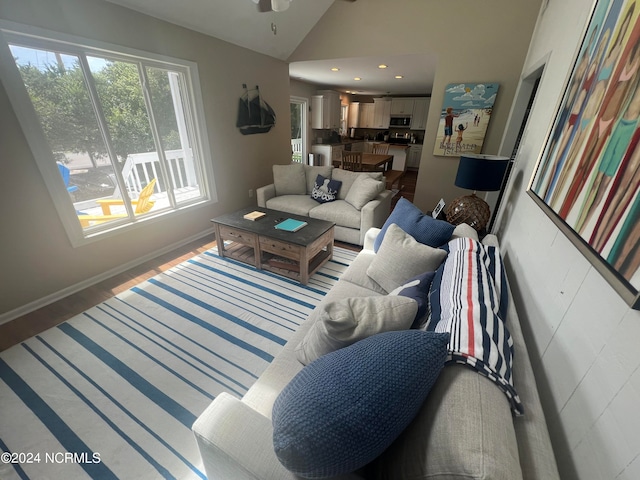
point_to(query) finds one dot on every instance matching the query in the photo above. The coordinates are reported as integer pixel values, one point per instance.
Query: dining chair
(381, 148)
(352, 161)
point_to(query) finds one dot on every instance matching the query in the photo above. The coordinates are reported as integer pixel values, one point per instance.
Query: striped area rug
(113, 392)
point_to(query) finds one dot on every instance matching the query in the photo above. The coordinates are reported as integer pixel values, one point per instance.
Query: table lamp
(476, 172)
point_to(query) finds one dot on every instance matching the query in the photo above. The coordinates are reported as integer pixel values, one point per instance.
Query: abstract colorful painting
(464, 118)
(588, 176)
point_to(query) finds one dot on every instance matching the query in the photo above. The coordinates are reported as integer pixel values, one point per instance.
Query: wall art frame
(464, 118)
(587, 178)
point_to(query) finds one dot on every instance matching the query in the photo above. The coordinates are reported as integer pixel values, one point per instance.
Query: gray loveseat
(465, 429)
(361, 201)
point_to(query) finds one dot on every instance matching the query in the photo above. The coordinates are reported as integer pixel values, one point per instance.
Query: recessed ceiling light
(335, 69)
(357, 78)
(398, 76)
(382, 65)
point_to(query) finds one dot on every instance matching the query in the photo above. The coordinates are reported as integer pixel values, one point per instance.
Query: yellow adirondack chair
(142, 204)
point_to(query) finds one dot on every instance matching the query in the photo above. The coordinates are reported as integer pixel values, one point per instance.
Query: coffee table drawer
(237, 235)
(283, 249)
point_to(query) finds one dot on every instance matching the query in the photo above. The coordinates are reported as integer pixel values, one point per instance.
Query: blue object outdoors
(64, 171)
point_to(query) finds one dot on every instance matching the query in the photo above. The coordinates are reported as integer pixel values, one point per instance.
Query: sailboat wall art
(254, 114)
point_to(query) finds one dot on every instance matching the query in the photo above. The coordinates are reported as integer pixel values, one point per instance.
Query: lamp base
(470, 210)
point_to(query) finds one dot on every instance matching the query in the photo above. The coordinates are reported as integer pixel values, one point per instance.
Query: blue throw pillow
(423, 228)
(325, 190)
(344, 409)
(418, 289)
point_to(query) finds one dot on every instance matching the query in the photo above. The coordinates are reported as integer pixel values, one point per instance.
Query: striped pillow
(469, 299)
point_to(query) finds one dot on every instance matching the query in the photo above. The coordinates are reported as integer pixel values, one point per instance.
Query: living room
(581, 335)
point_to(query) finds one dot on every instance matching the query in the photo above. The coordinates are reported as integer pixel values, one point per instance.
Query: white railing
(140, 168)
(296, 150)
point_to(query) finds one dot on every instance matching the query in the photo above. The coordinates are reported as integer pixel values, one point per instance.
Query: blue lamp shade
(481, 172)
(476, 172)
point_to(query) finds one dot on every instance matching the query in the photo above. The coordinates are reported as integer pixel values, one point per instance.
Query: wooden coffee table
(296, 255)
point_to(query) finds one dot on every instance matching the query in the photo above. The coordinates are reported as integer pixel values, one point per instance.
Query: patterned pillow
(418, 289)
(469, 296)
(325, 190)
(423, 228)
(344, 409)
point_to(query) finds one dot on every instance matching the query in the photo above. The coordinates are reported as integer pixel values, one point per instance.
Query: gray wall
(474, 41)
(582, 337)
(38, 262)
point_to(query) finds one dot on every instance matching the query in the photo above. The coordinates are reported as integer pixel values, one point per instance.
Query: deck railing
(140, 168)
(296, 150)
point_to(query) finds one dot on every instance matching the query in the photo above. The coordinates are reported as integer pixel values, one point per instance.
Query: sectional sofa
(331, 404)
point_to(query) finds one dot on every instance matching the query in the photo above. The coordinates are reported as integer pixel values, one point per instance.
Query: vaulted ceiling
(278, 34)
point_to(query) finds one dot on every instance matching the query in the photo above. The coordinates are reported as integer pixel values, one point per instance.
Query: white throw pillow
(400, 257)
(348, 320)
(363, 190)
(289, 179)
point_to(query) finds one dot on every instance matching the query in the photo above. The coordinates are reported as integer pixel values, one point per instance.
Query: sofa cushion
(356, 274)
(325, 190)
(363, 190)
(423, 228)
(464, 430)
(418, 289)
(289, 179)
(347, 178)
(471, 285)
(296, 204)
(343, 410)
(344, 322)
(311, 173)
(339, 212)
(400, 258)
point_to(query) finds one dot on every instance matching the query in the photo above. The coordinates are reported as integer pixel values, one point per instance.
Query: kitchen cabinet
(357, 147)
(420, 112)
(414, 155)
(354, 115)
(330, 153)
(366, 115)
(402, 106)
(325, 110)
(381, 112)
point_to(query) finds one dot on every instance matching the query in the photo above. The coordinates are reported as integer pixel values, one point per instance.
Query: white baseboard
(65, 292)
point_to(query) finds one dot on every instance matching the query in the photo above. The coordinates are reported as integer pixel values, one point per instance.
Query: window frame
(32, 128)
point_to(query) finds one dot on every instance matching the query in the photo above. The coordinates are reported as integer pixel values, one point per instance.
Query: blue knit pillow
(344, 409)
(423, 228)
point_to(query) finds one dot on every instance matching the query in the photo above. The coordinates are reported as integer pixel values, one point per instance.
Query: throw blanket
(469, 299)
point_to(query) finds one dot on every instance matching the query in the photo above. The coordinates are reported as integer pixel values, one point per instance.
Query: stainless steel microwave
(400, 122)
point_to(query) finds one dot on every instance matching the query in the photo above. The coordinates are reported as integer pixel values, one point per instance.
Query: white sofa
(464, 430)
(362, 201)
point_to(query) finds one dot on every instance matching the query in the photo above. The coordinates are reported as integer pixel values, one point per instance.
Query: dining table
(376, 160)
(373, 161)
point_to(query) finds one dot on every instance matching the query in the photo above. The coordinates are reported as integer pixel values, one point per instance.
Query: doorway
(299, 108)
(517, 129)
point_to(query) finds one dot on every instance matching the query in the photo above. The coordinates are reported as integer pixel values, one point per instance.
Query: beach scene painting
(464, 118)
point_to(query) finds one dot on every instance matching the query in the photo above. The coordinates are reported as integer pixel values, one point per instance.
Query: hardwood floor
(21, 328)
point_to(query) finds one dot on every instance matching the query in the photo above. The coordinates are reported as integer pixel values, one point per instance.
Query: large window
(118, 131)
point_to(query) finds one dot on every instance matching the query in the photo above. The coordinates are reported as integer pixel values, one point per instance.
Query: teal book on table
(291, 225)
